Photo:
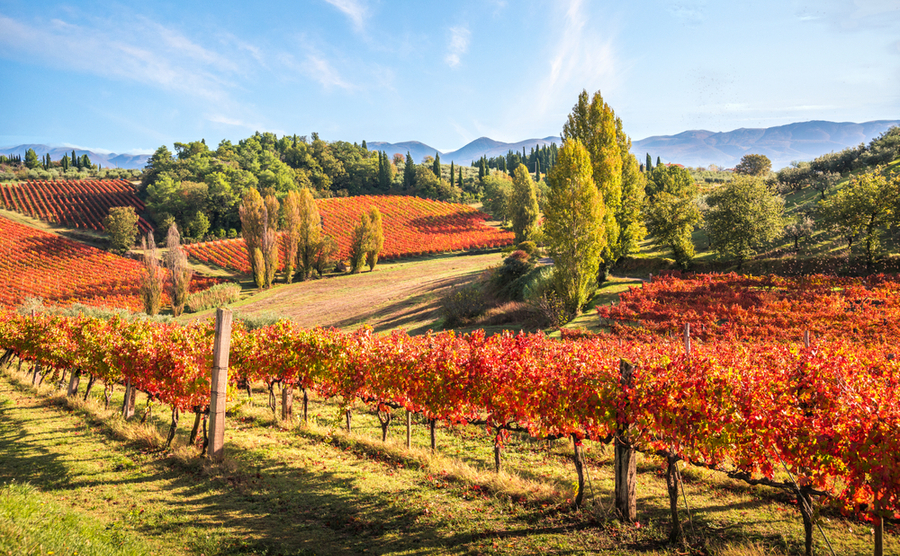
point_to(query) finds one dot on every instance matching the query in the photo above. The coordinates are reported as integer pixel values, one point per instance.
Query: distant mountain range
(483, 146)
(107, 160)
(782, 144)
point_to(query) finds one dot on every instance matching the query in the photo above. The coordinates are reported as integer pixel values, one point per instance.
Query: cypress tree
(649, 166)
(65, 162)
(436, 166)
(460, 177)
(452, 172)
(658, 161)
(409, 172)
(75, 161)
(364, 146)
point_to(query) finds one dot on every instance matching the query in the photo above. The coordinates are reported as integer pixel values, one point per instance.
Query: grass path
(396, 295)
(318, 490)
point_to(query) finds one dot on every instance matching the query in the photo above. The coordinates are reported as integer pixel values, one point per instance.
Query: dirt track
(396, 295)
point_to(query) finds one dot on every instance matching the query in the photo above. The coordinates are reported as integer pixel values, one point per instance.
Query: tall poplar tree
(573, 225)
(615, 174)
(523, 204)
(254, 225)
(290, 209)
(310, 238)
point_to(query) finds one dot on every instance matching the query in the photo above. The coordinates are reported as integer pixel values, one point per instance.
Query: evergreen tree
(649, 166)
(65, 162)
(31, 159)
(452, 172)
(409, 173)
(573, 226)
(75, 161)
(460, 177)
(436, 165)
(364, 146)
(658, 161)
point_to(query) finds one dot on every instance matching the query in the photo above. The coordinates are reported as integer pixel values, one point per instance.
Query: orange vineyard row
(34, 263)
(412, 227)
(75, 203)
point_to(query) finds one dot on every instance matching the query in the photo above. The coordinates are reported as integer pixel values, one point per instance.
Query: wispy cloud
(582, 55)
(459, 45)
(236, 122)
(354, 9)
(151, 54)
(314, 65)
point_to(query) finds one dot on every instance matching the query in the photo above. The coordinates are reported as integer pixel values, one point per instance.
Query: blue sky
(130, 77)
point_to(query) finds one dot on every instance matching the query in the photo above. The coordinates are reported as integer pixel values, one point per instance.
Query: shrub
(216, 296)
(528, 247)
(259, 320)
(505, 280)
(461, 304)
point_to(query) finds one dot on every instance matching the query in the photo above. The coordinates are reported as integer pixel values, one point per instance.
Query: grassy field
(395, 295)
(294, 489)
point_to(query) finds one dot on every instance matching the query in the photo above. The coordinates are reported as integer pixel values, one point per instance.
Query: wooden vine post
(287, 402)
(578, 458)
(408, 430)
(625, 457)
(219, 384)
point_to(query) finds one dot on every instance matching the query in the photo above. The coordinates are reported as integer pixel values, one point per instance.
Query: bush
(259, 320)
(461, 304)
(506, 279)
(528, 247)
(216, 296)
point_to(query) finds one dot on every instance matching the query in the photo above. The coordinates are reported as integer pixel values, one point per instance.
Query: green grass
(34, 523)
(287, 488)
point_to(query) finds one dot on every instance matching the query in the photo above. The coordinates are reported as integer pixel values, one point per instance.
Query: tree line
(199, 189)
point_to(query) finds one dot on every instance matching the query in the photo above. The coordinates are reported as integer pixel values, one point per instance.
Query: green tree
(573, 227)
(743, 216)
(409, 173)
(670, 179)
(359, 243)
(671, 220)
(649, 165)
(754, 165)
(629, 214)
(436, 165)
(310, 230)
(862, 208)
(523, 205)
(121, 225)
(31, 159)
(290, 209)
(375, 241)
(593, 122)
(496, 194)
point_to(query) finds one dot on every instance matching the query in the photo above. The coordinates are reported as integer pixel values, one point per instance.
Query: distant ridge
(483, 146)
(107, 160)
(782, 144)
